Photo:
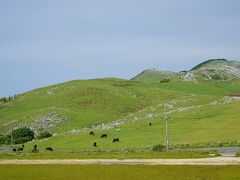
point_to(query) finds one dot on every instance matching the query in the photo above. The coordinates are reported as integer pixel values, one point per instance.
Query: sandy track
(204, 161)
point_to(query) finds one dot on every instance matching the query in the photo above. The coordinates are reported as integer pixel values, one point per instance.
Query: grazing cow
(14, 150)
(20, 149)
(91, 133)
(150, 124)
(49, 149)
(115, 140)
(94, 144)
(104, 136)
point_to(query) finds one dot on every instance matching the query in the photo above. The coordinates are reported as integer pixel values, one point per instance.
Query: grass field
(201, 114)
(108, 155)
(121, 172)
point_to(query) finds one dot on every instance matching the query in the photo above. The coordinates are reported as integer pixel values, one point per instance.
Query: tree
(22, 135)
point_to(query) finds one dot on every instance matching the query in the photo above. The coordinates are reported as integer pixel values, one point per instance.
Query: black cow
(150, 124)
(91, 133)
(20, 149)
(49, 149)
(94, 144)
(14, 149)
(115, 140)
(104, 136)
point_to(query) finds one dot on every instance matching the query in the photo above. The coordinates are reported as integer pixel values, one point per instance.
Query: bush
(238, 154)
(22, 140)
(5, 139)
(43, 135)
(22, 135)
(158, 148)
(165, 81)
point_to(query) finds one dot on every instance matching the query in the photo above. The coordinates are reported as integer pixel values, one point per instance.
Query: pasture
(200, 116)
(118, 172)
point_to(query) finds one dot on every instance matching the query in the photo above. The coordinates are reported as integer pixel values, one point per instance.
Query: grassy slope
(92, 102)
(118, 172)
(105, 100)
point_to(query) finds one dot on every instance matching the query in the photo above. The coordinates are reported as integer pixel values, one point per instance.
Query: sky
(50, 41)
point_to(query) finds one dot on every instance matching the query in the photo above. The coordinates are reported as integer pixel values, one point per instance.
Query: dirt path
(204, 161)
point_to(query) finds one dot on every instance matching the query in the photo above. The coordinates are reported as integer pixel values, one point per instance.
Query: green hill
(154, 75)
(202, 112)
(217, 69)
(210, 70)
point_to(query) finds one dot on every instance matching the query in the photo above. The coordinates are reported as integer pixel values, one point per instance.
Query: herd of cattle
(21, 149)
(103, 136)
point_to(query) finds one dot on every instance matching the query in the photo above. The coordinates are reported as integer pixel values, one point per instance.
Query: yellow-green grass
(77, 154)
(128, 172)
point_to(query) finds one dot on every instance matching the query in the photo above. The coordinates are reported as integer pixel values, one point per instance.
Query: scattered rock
(74, 131)
(189, 77)
(47, 122)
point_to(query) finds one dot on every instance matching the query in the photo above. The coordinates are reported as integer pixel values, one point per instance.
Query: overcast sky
(49, 41)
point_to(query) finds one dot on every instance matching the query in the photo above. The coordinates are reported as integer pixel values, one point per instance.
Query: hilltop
(213, 69)
(154, 75)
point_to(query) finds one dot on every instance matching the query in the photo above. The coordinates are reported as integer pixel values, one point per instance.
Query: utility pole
(11, 134)
(166, 118)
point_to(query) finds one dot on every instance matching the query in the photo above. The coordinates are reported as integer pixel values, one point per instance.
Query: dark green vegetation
(22, 135)
(17, 136)
(116, 172)
(158, 148)
(43, 135)
(8, 99)
(203, 111)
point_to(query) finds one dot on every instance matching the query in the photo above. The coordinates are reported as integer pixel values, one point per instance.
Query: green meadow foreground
(113, 155)
(103, 172)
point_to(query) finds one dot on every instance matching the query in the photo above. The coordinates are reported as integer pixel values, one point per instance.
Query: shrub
(43, 135)
(238, 154)
(22, 140)
(5, 139)
(158, 148)
(35, 149)
(22, 135)
(165, 81)
(219, 144)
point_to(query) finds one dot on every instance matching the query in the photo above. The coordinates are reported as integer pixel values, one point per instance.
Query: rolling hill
(203, 110)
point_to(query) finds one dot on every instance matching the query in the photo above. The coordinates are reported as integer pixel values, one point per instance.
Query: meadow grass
(128, 172)
(108, 155)
(92, 102)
